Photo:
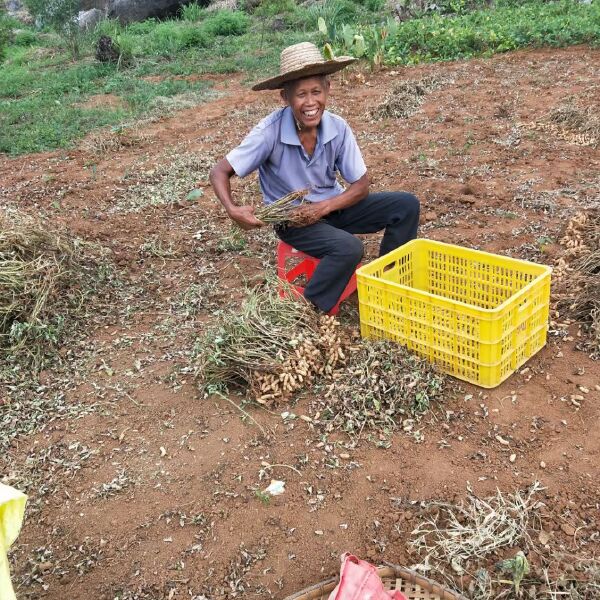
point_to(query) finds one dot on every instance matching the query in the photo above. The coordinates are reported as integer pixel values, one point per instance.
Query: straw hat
(299, 61)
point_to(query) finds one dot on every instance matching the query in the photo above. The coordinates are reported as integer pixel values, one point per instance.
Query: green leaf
(195, 194)
(322, 26)
(359, 46)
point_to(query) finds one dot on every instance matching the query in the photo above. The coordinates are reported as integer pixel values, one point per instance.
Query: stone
(106, 50)
(130, 11)
(88, 19)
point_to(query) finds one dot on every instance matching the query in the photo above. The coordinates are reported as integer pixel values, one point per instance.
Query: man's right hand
(244, 217)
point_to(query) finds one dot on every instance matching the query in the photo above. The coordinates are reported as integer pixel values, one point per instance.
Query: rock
(278, 24)
(430, 215)
(89, 4)
(543, 537)
(88, 19)
(16, 9)
(129, 11)
(106, 50)
(567, 529)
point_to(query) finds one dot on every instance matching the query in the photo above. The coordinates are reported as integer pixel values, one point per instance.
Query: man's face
(307, 99)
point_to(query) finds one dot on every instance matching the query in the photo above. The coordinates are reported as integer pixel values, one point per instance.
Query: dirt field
(146, 490)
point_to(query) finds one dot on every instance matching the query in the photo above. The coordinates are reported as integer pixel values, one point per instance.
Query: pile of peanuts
(574, 243)
(311, 355)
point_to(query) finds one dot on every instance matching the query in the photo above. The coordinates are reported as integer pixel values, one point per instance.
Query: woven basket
(411, 584)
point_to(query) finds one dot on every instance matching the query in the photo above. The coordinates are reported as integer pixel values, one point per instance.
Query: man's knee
(350, 248)
(408, 204)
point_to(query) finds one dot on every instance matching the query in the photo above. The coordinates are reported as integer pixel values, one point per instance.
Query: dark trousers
(332, 241)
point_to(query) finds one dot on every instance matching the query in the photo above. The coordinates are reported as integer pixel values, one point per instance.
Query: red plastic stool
(306, 266)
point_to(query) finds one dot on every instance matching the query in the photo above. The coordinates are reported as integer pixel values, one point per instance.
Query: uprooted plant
(277, 345)
(578, 277)
(282, 211)
(460, 535)
(46, 277)
(382, 386)
(273, 344)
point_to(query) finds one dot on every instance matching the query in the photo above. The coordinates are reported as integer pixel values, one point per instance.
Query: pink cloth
(359, 581)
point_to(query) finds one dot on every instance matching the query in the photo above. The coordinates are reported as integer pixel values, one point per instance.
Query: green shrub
(5, 33)
(375, 6)
(486, 32)
(335, 13)
(25, 37)
(194, 36)
(61, 16)
(163, 40)
(226, 22)
(192, 12)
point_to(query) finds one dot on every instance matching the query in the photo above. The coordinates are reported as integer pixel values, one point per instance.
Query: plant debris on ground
(578, 278)
(406, 97)
(460, 535)
(275, 346)
(46, 279)
(496, 548)
(382, 386)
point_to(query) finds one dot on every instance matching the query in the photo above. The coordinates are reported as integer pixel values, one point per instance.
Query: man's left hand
(309, 213)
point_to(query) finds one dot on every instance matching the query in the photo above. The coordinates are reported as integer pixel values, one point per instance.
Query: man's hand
(244, 217)
(309, 213)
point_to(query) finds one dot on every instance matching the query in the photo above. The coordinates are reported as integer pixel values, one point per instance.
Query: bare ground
(150, 491)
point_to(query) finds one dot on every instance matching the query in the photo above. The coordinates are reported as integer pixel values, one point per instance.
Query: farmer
(303, 146)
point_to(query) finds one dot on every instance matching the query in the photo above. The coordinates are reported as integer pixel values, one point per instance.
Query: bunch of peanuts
(312, 354)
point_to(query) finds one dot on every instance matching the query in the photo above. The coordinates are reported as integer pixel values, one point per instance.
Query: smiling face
(307, 98)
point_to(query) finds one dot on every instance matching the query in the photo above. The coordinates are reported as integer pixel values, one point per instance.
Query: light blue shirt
(273, 147)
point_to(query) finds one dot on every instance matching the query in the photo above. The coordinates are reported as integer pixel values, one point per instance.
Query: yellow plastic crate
(478, 316)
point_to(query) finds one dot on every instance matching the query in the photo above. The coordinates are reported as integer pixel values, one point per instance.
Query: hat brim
(325, 68)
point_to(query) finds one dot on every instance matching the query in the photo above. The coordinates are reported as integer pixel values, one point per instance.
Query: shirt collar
(327, 129)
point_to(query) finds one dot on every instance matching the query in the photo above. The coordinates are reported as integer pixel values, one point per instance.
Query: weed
(406, 97)
(226, 23)
(263, 497)
(192, 12)
(457, 535)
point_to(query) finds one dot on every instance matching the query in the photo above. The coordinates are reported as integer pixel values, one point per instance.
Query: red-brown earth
(181, 517)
